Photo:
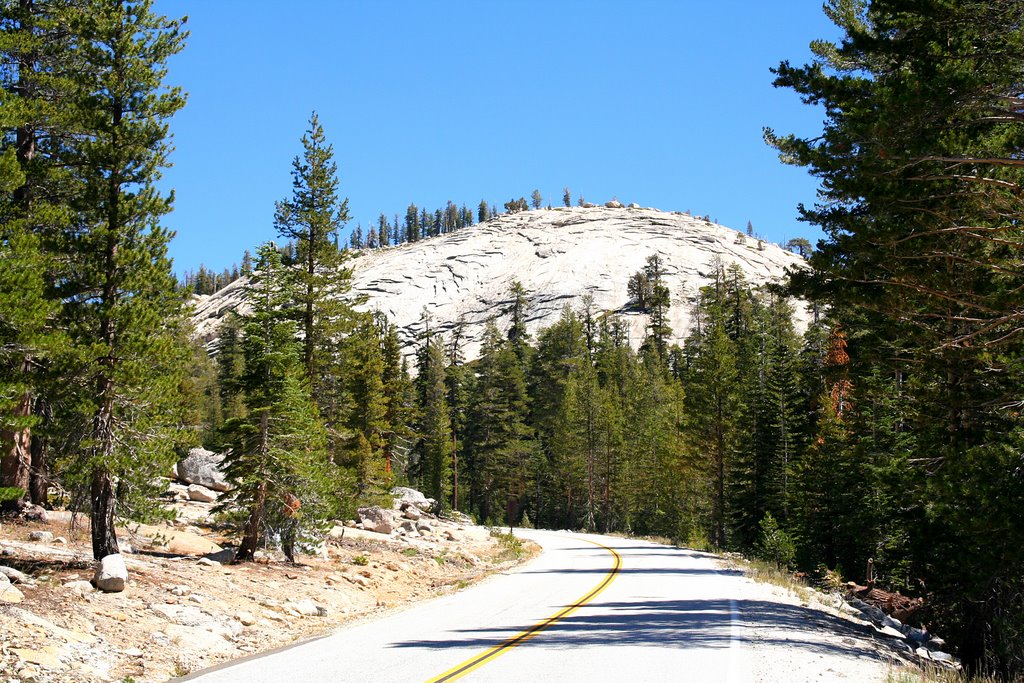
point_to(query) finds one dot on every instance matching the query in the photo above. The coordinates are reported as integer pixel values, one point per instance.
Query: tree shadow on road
(705, 623)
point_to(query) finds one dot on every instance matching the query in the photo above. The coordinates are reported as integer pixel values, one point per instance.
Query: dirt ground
(182, 610)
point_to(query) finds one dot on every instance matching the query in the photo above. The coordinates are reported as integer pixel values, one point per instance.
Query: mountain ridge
(558, 255)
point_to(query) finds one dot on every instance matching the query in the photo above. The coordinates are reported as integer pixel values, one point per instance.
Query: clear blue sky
(655, 102)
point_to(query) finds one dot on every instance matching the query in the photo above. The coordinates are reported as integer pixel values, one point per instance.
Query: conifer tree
(566, 197)
(278, 449)
(122, 310)
(434, 420)
(313, 217)
(38, 55)
(536, 199)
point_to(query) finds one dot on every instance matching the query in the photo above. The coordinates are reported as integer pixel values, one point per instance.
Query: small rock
(634, 205)
(207, 562)
(411, 512)
(198, 599)
(423, 526)
(41, 536)
(922, 652)
(245, 618)
(81, 587)
(13, 575)
(940, 656)
(306, 608)
(350, 523)
(613, 204)
(180, 591)
(61, 540)
(111, 574)
(133, 652)
(936, 643)
(450, 536)
(891, 632)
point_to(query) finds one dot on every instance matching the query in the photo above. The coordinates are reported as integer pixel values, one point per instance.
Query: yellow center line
(479, 660)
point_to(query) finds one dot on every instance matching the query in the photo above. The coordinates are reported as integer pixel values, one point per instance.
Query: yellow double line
(476, 662)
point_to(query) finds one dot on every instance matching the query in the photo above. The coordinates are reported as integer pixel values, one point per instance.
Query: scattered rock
(306, 608)
(923, 653)
(207, 562)
(81, 587)
(450, 536)
(203, 467)
(201, 494)
(423, 526)
(405, 496)
(634, 205)
(613, 204)
(245, 618)
(41, 536)
(226, 556)
(891, 632)
(132, 652)
(111, 574)
(940, 656)
(61, 540)
(411, 512)
(337, 532)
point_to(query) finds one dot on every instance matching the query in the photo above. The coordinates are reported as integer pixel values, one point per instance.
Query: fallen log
(896, 605)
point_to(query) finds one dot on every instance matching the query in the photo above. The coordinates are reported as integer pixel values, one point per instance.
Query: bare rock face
(111, 574)
(203, 467)
(559, 255)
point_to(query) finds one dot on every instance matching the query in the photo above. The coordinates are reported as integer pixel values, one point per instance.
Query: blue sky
(655, 102)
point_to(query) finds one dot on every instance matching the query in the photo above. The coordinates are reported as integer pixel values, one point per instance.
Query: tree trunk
(16, 457)
(251, 538)
(104, 541)
(39, 484)
(254, 524)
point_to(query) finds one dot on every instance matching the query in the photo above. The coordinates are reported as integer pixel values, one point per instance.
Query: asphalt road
(590, 608)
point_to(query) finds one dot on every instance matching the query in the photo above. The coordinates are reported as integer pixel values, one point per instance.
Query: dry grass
(930, 673)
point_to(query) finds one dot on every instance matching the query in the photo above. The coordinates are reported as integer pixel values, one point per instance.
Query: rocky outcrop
(203, 467)
(559, 255)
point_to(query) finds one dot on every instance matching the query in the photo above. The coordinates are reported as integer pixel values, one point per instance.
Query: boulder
(411, 512)
(613, 204)
(203, 467)
(111, 574)
(423, 526)
(634, 205)
(405, 496)
(306, 608)
(200, 493)
(9, 594)
(41, 536)
(185, 543)
(377, 519)
(35, 513)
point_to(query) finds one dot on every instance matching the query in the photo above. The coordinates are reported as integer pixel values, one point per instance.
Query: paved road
(590, 608)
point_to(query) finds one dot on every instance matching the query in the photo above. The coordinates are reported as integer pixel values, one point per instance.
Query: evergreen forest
(889, 430)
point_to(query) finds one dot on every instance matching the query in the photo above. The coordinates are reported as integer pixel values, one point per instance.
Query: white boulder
(111, 574)
(203, 467)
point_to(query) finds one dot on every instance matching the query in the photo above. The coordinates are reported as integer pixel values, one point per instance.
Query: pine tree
(367, 412)
(566, 197)
(536, 199)
(38, 57)
(435, 421)
(278, 450)
(122, 310)
(313, 217)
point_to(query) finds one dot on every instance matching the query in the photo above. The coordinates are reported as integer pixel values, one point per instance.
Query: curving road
(590, 608)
